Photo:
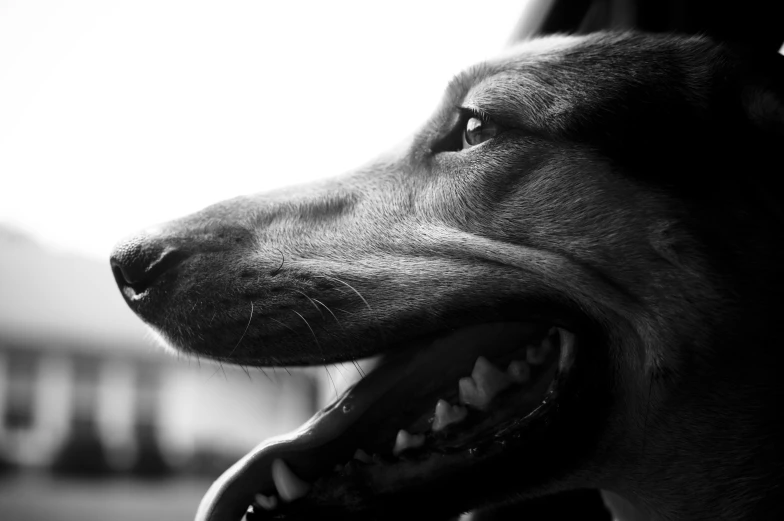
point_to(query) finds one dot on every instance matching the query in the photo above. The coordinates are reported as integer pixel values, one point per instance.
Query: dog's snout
(138, 262)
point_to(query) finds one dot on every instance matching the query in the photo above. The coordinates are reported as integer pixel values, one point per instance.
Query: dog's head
(580, 247)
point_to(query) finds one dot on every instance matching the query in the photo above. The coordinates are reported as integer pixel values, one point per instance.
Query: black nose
(138, 262)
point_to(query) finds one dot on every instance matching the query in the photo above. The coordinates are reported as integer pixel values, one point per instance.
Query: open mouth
(428, 411)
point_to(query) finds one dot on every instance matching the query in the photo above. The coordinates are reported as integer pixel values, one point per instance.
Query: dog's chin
(432, 425)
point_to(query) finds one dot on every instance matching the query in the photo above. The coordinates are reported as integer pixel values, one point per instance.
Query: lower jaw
(434, 485)
(438, 445)
(319, 456)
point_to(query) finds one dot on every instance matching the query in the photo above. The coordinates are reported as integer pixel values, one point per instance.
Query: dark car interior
(753, 24)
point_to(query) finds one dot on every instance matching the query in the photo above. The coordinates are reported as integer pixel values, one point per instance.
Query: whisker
(335, 387)
(312, 302)
(324, 358)
(283, 260)
(359, 369)
(312, 333)
(328, 310)
(282, 324)
(228, 357)
(220, 368)
(372, 313)
(244, 332)
(265, 374)
(354, 362)
(283, 367)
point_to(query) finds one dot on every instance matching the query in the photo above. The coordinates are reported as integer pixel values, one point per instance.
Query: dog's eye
(478, 130)
(470, 128)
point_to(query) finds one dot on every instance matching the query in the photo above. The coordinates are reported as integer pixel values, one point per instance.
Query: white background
(115, 115)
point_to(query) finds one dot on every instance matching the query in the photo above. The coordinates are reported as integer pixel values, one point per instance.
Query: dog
(571, 273)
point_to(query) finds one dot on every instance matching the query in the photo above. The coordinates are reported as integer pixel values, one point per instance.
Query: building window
(19, 413)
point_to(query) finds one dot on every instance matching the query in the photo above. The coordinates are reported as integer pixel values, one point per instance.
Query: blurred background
(116, 115)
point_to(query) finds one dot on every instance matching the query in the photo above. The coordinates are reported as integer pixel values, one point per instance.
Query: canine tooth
(567, 339)
(447, 414)
(362, 456)
(289, 485)
(519, 371)
(405, 441)
(485, 382)
(266, 502)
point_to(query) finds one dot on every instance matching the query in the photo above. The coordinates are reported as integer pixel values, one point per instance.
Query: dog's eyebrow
(445, 115)
(457, 90)
(461, 84)
(527, 100)
(517, 96)
(510, 96)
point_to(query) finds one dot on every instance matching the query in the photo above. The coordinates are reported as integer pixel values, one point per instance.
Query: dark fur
(633, 187)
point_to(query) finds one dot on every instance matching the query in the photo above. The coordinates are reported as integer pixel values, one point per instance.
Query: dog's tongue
(410, 376)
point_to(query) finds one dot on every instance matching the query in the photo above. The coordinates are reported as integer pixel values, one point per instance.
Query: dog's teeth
(467, 391)
(447, 414)
(362, 456)
(266, 502)
(289, 485)
(485, 382)
(488, 377)
(406, 441)
(536, 355)
(519, 371)
(567, 339)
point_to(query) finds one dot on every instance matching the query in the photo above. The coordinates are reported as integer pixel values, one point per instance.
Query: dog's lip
(330, 436)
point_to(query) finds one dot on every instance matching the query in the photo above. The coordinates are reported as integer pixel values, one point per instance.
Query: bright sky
(116, 115)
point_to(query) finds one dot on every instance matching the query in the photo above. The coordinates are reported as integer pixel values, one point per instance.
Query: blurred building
(83, 388)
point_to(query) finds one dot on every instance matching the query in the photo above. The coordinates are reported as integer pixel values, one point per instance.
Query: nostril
(120, 277)
(139, 262)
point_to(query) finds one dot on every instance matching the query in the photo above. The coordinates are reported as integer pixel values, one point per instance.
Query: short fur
(635, 185)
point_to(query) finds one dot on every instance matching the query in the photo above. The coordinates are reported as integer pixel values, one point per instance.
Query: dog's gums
(421, 412)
